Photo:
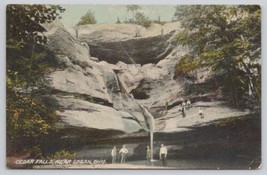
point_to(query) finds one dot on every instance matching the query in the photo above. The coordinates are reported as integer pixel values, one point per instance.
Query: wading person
(114, 154)
(163, 154)
(148, 155)
(123, 153)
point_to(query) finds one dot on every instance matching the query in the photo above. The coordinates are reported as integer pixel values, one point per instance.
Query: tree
(133, 9)
(138, 17)
(142, 20)
(25, 40)
(118, 21)
(29, 118)
(23, 22)
(87, 18)
(226, 39)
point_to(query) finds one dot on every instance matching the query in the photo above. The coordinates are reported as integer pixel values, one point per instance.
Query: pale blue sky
(109, 13)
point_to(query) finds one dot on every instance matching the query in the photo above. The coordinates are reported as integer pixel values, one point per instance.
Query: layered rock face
(103, 75)
(128, 43)
(96, 94)
(87, 91)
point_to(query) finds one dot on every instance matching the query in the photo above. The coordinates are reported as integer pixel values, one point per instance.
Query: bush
(63, 154)
(142, 20)
(88, 18)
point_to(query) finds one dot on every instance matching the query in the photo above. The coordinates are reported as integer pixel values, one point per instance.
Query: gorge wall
(92, 87)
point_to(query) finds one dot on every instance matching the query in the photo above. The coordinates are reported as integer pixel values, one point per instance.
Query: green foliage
(88, 18)
(226, 39)
(29, 119)
(186, 65)
(36, 152)
(26, 66)
(133, 8)
(23, 22)
(138, 17)
(142, 20)
(118, 21)
(26, 55)
(64, 155)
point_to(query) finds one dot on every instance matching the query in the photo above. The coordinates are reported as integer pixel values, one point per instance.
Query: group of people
(124, 151)
(186, 104)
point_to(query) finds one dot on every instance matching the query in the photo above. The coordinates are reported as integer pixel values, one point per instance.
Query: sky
(109, 13)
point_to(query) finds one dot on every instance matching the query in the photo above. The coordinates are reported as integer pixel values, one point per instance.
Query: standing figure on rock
(163, 154)
(188, 104)
(200, 112)
(166, 107)
(183, 112)
(114, 154)
(183, 104)
(123, 153)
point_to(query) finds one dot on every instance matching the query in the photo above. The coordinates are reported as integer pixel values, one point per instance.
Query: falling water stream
(146, 113)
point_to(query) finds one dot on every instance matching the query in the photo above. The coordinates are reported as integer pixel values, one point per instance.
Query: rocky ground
(173, 121)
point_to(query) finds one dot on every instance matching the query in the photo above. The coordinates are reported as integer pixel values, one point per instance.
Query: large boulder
(62, 43)
(77, 73)
(82, 113)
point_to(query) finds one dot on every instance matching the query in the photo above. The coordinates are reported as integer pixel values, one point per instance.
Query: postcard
(133, 86)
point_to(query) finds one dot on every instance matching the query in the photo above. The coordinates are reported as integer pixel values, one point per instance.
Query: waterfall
(152, 137)
(151, 123)
(150, 119)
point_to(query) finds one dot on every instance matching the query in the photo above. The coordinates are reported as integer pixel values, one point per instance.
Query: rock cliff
(87, 91)
(128, 42)
(93, 94)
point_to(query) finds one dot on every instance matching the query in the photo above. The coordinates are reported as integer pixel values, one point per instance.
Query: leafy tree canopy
(226, 39)
(88, 18)
(133, 8)
(142, 20)
(137, 16)
(26, 55)
(24, 21)
(29, 118)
